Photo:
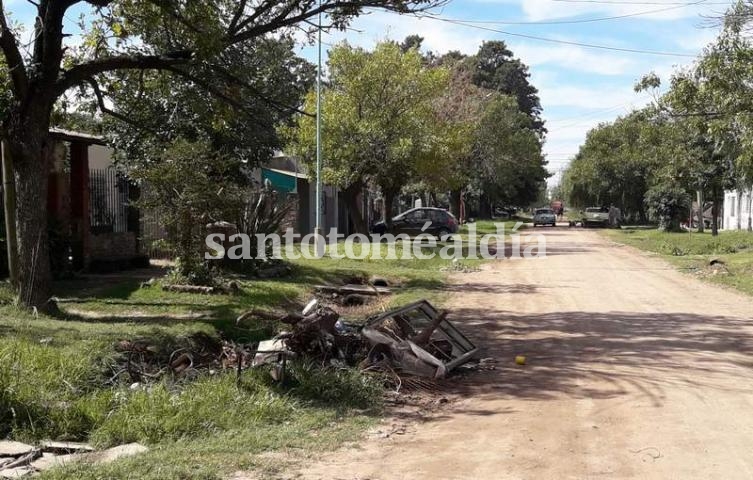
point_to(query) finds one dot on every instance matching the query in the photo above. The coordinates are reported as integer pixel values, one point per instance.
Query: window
(416, 216)
(438, 216)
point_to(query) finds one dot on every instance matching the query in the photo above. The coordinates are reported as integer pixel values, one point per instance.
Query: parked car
(544, 216)
(412, 223)
(595, 217)
(504, 213)
(500, 214)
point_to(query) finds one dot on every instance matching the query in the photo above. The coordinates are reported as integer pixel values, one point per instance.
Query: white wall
(100, 157)
(731, 213)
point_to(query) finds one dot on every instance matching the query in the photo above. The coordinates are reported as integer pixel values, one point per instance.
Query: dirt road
(634, 371)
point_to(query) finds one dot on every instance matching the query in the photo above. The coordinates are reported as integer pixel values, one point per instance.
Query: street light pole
(318, 228)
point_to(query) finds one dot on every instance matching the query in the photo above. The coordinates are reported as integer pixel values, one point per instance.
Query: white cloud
(543, 10)
(573, 58)
(438, 36)
(588, 96)
(697, 42)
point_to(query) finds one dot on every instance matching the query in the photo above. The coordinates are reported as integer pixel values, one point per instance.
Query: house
(738, 211)
(93, 223)
(291, 182)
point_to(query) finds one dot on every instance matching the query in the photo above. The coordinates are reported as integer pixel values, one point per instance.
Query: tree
(667, 202)
(711, 147)
(618, 163)
(495, 68)
(450, 164)
(483, 144)
(376, 120)
(188, 39)
(698, 133)
(511, 167)
(188, 189)
(728, 68)
(159, 108)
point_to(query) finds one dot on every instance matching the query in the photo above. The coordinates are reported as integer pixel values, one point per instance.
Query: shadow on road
(603, 355)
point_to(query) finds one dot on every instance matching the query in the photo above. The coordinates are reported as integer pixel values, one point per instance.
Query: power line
(618, 2)
(595, 113)
(563, 42)
(584, 20)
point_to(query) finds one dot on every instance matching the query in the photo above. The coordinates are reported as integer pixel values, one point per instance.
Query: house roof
(287, 172)
(73, 136)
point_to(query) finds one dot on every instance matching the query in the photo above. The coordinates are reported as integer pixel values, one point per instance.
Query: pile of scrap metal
(415, 340)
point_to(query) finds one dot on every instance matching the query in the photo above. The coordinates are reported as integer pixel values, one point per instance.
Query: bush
(193, 273)
(667, 204)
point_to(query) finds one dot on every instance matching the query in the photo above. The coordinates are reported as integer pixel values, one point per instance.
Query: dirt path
(634, 371)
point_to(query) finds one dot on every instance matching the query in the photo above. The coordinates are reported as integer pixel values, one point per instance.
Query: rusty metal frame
(456, 338)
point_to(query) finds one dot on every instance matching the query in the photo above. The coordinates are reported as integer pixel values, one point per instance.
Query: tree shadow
(496, 288)
(601, 355)
(118, 285)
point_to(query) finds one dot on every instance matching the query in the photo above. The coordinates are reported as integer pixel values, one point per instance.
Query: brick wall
(291, 218)
(105, 246)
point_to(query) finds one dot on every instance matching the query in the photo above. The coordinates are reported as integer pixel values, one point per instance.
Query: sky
(579, 85)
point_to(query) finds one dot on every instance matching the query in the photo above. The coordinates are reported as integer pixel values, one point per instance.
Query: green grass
(54, 385)
(486, 227)
(692, 253)
(55, 374)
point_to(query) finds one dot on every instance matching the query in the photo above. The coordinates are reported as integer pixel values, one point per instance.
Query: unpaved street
(634, 371)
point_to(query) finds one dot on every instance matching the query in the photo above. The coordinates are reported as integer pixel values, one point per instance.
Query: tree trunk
(389, 199)
(750, 209)
(484, 207)
(186, 250)
(739, 209)
(9, 204)
(642, 216)
(715, 214)
(30, 151)
(354, 208)
(701, 202)
(455, 198)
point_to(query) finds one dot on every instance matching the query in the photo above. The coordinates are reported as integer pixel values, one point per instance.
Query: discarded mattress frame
(418, 339)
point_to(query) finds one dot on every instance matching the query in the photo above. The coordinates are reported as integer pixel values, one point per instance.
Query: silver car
(544, 216)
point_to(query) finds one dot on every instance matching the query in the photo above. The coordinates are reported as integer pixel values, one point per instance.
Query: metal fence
(155, 240)
(108, 201)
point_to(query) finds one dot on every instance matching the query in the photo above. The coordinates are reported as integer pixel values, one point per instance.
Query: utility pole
(9, 202)
(318, 228)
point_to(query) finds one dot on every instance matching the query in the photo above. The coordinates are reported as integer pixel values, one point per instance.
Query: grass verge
(58, 376)
(692, 253)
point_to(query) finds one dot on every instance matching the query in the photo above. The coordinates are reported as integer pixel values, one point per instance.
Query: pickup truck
(595, 217)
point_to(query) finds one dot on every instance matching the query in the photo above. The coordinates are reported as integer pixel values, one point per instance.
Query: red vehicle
(558, 206)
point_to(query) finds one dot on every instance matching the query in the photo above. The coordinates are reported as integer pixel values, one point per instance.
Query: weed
(335, 386)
